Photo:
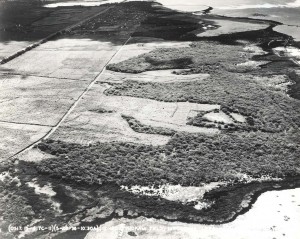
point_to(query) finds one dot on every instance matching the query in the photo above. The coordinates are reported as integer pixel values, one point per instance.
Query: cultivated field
(144, 114)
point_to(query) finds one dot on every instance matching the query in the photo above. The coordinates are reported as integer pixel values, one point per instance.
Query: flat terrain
(147, 114)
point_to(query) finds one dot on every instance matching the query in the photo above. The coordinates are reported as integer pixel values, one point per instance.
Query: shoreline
(229, 202)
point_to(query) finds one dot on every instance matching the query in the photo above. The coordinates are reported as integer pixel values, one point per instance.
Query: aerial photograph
(149, 119)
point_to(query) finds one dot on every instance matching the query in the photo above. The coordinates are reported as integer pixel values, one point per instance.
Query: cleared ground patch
(83, 61)
(177, 193)
(15, 137)
(36, 100)
(11, 47)
(84, 125)
(162, 76)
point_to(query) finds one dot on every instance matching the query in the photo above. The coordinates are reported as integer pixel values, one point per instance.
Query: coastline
(237, 199)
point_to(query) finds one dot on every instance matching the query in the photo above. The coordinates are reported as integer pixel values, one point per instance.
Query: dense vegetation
(231, 85)
(138, 19)
(186, 159)
(265, 109)
(203, 56)
(19, 203)
(141, 128)
(88, 176)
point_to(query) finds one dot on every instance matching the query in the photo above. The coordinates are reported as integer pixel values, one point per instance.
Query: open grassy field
(215, 117)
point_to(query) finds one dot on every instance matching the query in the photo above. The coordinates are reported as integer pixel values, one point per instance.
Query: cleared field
(162, 76)
(15, 137)
(34, 155)
(74, 59)
(9, 48)
(86, 126)
(36, 100)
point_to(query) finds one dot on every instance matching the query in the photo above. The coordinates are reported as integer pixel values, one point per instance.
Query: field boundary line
(87, 89)
(51, 36)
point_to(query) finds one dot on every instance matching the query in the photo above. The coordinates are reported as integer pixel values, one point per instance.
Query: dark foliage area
(19, 204)
(25, 205)
(138, 19)
(23, 20)
(266, 110)
(189, 160)
(186, 160)
(201, 57)
(102, 111)
(229, 202)
(141, 128)
(294, 89)
(117, 23)
(169, 25)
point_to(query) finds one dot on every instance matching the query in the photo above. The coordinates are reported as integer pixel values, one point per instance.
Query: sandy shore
(275, 214)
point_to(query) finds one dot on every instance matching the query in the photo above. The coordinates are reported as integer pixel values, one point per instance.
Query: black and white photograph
(149, 119)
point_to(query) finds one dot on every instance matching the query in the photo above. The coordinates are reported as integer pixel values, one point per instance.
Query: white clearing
(252, 64)
(219, 117)
(159, 76)
(46, 190)
(290, 52)
(277, 82)
(239, 118)
(254, 50)
(175, 192)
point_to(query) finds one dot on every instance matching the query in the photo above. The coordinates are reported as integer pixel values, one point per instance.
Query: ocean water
(288, 15)
(191, 5)
(233, 4)
(283, 11)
